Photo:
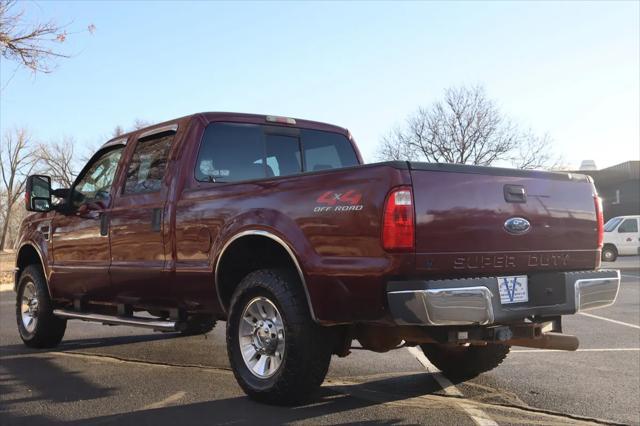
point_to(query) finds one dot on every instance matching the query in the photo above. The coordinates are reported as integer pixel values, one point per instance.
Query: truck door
(79, 235)
(137, 221)
(628, 236)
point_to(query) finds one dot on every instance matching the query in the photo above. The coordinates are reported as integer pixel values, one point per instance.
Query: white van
(621, 237)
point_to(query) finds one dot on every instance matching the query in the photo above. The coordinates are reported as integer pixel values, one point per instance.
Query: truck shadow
(25, 380)
(332, 400)
(93, 342)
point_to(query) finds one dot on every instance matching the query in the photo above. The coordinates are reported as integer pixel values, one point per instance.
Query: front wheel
(465, 362)
(277, 353)
(198, 324)
(37, 325)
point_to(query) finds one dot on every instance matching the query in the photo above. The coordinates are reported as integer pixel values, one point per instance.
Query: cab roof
(235, 117)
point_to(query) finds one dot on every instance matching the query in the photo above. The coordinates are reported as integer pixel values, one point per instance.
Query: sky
(570, 70)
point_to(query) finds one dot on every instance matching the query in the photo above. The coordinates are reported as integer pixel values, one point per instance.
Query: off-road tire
(465, 362)
(49, 329)
(609, 253)
(198, 324)
(307, 352)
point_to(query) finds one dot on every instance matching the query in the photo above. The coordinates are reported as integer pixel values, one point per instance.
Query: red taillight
(398, 225)
(599, 220)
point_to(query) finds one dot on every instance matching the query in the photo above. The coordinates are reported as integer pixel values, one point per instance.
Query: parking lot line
(165, 402)
(610, 320)
(477, 415)
(579, 350)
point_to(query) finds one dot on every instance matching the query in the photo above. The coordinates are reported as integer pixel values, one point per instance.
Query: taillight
(599, 219)
(398, 225)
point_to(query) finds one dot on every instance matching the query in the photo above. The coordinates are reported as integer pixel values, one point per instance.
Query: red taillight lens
(599, 219)
(398, 225)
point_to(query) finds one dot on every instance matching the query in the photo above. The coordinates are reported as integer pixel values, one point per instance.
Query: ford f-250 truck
(275, 226)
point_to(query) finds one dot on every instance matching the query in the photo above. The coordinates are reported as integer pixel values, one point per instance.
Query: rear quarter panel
(331, 220)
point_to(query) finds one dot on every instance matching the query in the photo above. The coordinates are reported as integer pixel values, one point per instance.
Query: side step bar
(154, 324)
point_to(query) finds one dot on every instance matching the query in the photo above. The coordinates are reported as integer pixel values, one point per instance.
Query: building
(619, 188)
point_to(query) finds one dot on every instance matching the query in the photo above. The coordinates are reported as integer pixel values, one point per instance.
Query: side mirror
(38, 193)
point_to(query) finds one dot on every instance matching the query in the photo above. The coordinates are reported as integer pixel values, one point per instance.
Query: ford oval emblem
(517, 225)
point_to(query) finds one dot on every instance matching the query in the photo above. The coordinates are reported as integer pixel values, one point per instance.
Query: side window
(629, 225)
(148, 164)
(324, 150)
(231, 152)
(95, 183)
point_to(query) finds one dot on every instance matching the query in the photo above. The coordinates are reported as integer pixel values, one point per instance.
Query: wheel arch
(279, 251)
(29, 254)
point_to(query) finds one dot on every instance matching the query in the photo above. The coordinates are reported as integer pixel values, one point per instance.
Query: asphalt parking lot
(121, 375)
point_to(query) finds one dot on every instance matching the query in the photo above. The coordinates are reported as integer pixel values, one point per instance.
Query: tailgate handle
(515, 194)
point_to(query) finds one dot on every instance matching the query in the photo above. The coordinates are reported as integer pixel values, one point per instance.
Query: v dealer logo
(511, 287)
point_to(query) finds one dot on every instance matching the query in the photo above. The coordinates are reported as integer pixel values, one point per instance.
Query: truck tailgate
(461, 215)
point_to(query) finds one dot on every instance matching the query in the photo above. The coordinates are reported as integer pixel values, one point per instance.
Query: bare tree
(465, 127)
(34, 46)
(395, 146)
(117, 131)
(534, 152)
(16, 163)
(139, 123)
(57, 160)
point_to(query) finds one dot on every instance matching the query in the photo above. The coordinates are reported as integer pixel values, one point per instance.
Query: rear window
(232, 152)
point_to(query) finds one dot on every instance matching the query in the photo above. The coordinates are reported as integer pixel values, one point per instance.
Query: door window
(95, 184)
(629, 225)
(231, 152)
(148, 164)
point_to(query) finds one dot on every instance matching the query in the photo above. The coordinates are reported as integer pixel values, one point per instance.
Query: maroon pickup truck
(275, 226)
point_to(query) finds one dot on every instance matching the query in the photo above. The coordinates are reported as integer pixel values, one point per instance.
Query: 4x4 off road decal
(339, 202)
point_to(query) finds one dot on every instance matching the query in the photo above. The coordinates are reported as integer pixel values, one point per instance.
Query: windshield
(612, 224)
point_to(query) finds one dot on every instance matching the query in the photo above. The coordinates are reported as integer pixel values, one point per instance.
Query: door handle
(156, 220)
(104, 224)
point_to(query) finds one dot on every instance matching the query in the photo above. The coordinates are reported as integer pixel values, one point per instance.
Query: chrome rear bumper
(477, 301)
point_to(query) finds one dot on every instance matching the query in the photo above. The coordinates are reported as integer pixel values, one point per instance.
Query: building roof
(629, 170)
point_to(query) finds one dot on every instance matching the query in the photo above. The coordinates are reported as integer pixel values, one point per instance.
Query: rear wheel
(278, 354)
(37, 325)
(465, 362)
(609, 253)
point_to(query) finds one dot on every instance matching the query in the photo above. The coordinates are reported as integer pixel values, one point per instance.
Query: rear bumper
(477, 300)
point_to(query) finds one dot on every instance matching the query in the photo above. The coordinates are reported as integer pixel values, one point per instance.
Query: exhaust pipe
(559, 341)
(154, 324)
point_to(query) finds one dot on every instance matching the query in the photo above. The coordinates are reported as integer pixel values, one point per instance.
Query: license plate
(513, 289)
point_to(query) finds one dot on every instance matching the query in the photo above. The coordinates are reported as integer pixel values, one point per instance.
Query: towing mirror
(38, 193)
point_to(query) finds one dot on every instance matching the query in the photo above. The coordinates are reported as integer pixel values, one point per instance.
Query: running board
(154, 324)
